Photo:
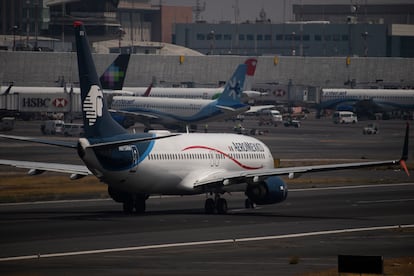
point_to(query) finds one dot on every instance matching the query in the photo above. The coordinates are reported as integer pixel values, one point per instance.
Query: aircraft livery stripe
(225, 154)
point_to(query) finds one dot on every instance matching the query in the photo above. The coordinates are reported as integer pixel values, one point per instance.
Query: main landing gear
(130, 202)
(217, 204)
(134, 202)
(248, 204)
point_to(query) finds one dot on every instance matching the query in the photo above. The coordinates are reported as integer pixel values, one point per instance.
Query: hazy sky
(219, 10)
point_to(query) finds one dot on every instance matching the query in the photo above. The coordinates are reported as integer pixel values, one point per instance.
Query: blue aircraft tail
(114, 76)
(234, 87)
(97, 120)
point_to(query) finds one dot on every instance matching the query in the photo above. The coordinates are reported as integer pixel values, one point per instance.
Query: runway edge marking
(223, 241)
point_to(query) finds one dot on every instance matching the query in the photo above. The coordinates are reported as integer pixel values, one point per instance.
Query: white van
(52, 127)
(270, 117)
(344, 117)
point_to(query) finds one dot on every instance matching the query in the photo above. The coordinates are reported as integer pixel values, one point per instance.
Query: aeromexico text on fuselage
(246, 146)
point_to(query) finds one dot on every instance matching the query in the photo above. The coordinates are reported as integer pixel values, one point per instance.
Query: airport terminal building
(323, 30)
(318, 30)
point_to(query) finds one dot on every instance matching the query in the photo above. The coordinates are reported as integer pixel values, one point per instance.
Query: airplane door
(135, 158)
(214, 159)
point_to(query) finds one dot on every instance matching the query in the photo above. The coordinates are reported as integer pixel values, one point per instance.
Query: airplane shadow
(194, 213)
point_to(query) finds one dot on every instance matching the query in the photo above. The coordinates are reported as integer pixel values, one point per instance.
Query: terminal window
(201, 37)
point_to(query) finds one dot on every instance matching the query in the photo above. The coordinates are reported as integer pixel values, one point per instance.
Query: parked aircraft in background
(179, 113)
(187, 93)
(112, 79)
(198, 93)
(367, 100)
(135, 166)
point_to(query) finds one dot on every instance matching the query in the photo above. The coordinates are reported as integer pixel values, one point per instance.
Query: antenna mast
(236, 11)
(198, 9)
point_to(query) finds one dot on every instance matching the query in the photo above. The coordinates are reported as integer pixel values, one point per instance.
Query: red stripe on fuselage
(225, 154)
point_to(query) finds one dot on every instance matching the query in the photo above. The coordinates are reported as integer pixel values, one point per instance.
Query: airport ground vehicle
(74, 130)
(370, 129)
(7, 123)
(52, 127)
(291, 123)
(344, 117)
(270, 117)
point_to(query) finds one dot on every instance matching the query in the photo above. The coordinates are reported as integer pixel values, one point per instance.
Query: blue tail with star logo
(234, 87)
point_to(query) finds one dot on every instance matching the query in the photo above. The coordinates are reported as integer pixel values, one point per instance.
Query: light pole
(14, 31)
(365, 36)
(212, 38)
(36, 29)
(121, 34)
(27, 23)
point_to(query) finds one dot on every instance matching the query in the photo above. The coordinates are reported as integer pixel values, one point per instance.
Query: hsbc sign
(58, 102)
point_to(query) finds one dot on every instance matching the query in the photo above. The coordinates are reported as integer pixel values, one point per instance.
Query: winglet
(404, 155)
(251, 66)
(251, 69)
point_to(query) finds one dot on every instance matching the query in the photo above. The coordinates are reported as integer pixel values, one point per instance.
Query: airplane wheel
(221, 206)
(128, 206)
(140, 206)
(209, 206)
(248, 204)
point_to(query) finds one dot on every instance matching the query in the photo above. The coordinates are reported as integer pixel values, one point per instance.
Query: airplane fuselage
(387, 99)
(172, 166)
(175, 111)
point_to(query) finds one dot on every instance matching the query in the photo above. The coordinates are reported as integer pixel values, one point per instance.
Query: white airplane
(199, 92)
(135, 166)
(375, 99)
(177, 113)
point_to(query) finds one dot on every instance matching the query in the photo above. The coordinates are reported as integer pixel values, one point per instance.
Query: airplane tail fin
(234, 87)
(7, 92)
(114, 76)
(97, 120)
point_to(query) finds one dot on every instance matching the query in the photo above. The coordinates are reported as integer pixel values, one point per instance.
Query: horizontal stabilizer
(36, 167)
(133, 114)
(65, 144)
(130, 141)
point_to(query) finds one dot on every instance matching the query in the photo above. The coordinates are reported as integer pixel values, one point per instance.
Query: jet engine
(270, 191)
(118, 195)
(118, 158)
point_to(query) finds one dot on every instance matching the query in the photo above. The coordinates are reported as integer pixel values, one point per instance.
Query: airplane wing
(221, 179)
(257, 108)
(40, 167)
(231, 110)
(254, 94)
(137, 115)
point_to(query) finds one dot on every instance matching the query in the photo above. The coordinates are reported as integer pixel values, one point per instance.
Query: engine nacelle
(124, 157)
(270, 191)
(118, 195)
